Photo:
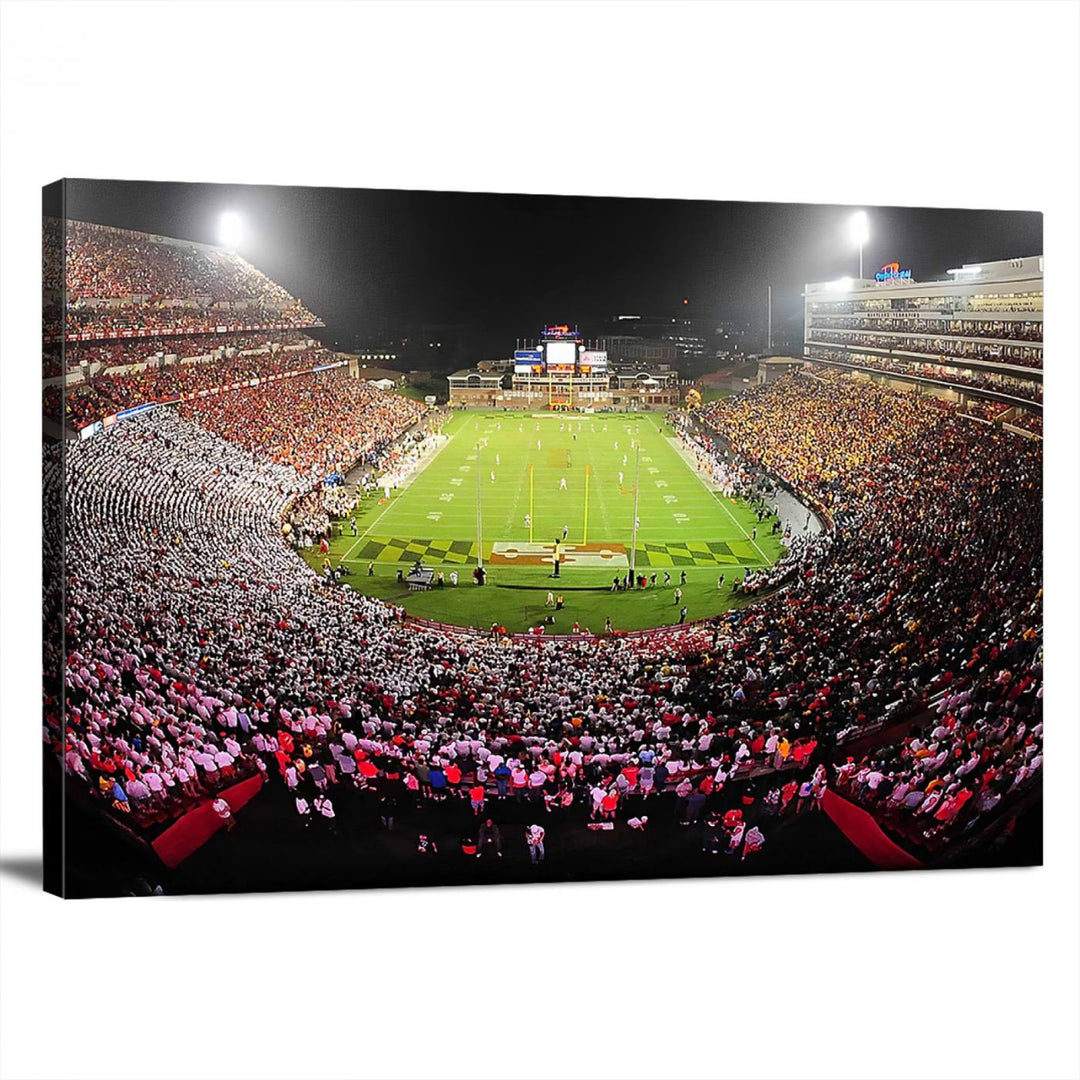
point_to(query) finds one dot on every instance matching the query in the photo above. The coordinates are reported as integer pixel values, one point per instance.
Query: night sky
(381, 262)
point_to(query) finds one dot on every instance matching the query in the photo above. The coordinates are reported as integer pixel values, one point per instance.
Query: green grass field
(684, 526)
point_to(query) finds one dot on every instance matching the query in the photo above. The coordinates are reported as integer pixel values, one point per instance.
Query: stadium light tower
(230, 230)
(860, 233)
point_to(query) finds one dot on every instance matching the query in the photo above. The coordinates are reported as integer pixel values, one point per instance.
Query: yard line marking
(746, 535)
(517, 503)
(365, 533)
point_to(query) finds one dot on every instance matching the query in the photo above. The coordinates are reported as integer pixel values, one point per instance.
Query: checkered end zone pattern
(392, 549)
(384, 549)
(699, 553)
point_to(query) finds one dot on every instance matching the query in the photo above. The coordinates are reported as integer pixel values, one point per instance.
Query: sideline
(421, 466)
(691, 463)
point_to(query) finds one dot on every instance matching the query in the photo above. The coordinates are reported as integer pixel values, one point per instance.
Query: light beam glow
(230, 230)
(860, 228)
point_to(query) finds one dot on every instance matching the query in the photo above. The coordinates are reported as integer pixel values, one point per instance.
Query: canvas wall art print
(430, 538)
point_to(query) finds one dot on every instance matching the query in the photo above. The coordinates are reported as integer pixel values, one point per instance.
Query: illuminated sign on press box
(594, 360)
(892, 272)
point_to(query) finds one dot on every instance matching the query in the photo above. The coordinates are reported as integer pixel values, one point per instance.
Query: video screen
(561, 354)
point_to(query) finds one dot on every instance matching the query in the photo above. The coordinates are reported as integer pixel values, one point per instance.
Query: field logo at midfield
(524, 553)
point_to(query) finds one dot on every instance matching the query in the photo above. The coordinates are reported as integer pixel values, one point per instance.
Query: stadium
(309, 631)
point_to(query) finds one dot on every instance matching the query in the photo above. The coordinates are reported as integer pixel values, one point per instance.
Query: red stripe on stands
(191, 831)
(867, 835)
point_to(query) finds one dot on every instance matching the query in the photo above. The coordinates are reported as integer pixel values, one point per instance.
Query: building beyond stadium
(559, 371)
(977, 335)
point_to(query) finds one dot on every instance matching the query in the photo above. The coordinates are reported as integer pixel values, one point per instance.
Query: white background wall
(671, 979)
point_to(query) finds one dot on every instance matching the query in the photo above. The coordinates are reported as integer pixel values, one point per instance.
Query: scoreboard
(561, 369)
(560, 356)
(560, 353)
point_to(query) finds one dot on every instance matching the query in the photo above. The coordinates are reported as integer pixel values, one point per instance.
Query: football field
(535, 478)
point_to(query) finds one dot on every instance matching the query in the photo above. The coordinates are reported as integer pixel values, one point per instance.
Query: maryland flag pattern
(714, 553)
(392, 549)
(700, 553)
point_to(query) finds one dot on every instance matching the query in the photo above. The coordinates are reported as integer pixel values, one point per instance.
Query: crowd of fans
(976, 380)
(154, 318)
(104, 395)
(122, 280)
(985, 746)
(321, 423)
(195, 633)
(918, 323)
(952, 513)
(52, 362)
(102, 262)
(1019, 355)
(52, 401)
(929, 306)
(112, 354)
(1028, 421)
(198, 642)
(985, 409)
(52, 254)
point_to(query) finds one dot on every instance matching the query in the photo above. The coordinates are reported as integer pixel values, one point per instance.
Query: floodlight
(860, 233)
(860, 228)
(230, 230)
